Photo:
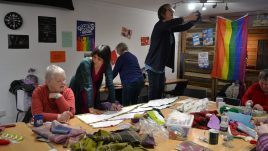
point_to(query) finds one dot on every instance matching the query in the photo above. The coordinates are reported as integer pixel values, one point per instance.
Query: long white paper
(159, 102)
(106, 123)
(92, 118)
(126, 116)
(140, 109)
(162, 107)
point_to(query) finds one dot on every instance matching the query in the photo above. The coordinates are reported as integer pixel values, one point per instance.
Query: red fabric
(255, 93)
(95, 78)
(84, 102)
(50, 108)
(234, 131)
(201, 120)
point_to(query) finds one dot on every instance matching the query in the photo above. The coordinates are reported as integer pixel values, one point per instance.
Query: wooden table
(29, 143)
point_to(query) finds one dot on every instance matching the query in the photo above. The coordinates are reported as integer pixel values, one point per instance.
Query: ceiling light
(214, 6)
(203, 7)
(191, 6)
(226, 7)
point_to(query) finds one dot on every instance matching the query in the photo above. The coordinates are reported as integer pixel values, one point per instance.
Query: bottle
(224, 122)
(248, 109)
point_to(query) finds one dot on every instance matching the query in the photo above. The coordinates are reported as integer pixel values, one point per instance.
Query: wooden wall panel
(254, 34)
(201, 77)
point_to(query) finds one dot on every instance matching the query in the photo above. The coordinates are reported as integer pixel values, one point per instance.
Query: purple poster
(85, 36)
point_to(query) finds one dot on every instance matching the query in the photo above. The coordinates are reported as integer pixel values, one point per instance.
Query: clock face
(13, 20)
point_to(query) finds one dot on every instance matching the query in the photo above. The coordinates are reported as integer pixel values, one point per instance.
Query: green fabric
(85, 144)
(119, 147)
(121, 136)
(233, 109)
(95, 144)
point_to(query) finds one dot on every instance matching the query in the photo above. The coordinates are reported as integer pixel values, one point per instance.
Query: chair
(28, 116)
(22, 94)
(178, 90)
(196, 93)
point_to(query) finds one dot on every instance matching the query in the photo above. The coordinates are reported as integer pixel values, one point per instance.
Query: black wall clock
(13, 20)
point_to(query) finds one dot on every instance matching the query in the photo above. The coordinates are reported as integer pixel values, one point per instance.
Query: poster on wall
(207, 37)
(113, 57)
(57, 56)
(126, 32)
(85, 36)
(67, 39)
(203, 60)
(18, 41)
(145, 41)
(47, 29)
(196, 40)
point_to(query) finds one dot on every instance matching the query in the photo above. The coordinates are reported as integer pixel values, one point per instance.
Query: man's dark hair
(162, 10)
(104, 52)
(263, 75)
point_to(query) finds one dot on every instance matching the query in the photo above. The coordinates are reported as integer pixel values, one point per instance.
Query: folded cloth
(124, 136)
(234, 130)
(107, 106)
(57, 138)
(58, 128)
(148, 141)
(119, 147)
(88, 144)
(122, 140)
(201, 119)
(129, 136)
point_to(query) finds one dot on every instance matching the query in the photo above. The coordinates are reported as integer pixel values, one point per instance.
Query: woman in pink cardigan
(54, 100)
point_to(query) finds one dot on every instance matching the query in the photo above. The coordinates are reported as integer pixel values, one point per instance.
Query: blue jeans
(156, 85)
(131, 91)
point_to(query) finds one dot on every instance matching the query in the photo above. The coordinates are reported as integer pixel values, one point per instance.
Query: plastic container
(218, 100)
(178, 125)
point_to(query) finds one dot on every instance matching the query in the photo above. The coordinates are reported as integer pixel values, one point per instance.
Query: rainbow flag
(231, 49)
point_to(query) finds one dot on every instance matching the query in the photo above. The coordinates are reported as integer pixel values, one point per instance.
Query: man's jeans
(131, 91)
(156, 85)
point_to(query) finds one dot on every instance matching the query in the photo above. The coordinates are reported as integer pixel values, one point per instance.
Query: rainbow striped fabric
(231, 49)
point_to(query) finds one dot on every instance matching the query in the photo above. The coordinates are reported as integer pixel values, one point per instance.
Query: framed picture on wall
(18, 41)
(47, 29)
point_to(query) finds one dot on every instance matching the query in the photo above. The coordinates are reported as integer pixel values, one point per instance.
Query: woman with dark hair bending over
(87, 81)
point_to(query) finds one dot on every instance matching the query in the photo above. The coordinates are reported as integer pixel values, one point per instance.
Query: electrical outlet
(2, 113)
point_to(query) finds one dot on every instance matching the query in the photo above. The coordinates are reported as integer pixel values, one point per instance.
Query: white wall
(109, 20)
